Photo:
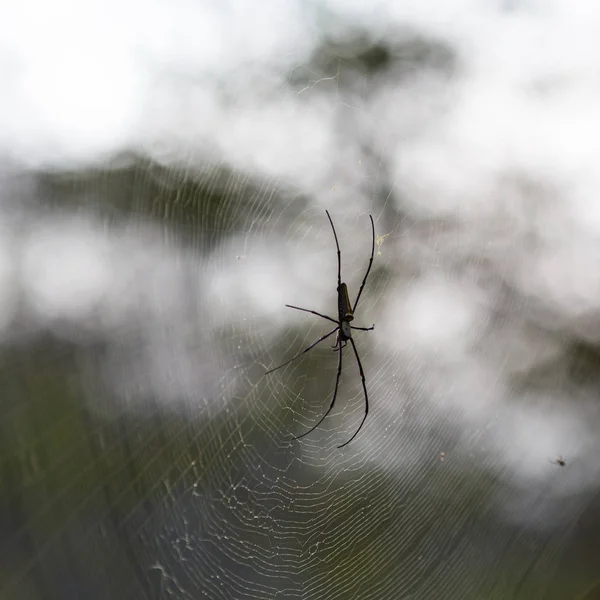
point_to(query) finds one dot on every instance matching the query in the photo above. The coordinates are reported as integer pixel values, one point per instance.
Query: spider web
(144, 272)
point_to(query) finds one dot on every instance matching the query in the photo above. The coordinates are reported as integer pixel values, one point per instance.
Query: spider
(343, 329)
(560, 461)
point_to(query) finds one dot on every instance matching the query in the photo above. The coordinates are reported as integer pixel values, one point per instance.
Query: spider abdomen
(344, 306)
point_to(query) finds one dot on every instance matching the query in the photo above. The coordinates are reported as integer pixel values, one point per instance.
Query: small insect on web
(344, 331)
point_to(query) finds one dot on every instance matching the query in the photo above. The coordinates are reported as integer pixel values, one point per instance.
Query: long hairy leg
(323, 337)
(362, 375)
(362, 285)
(335, 391)
(314, 312)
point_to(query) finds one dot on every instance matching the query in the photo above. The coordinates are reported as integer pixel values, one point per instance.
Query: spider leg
(337, 245)
(335, 391)
(362, 375)
(362, 285)
(323, 337)
(337, 349)
(314, 312)
(336, 343)
(363, 328)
